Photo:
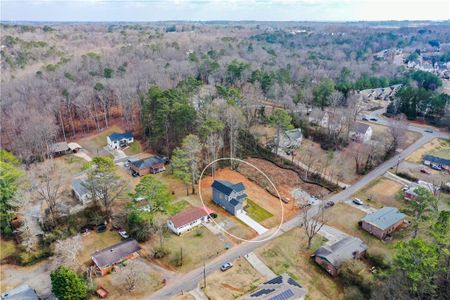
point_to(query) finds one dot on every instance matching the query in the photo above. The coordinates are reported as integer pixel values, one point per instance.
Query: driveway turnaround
(252, 223)
(259, 265)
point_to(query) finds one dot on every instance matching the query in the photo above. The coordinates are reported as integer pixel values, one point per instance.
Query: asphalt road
(189, 281)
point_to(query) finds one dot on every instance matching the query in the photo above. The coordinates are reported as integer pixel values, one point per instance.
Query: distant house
(107, 259)
(435, 161)
(383, 222)
(318, 117)
(58, 149)
(153, 165)
(22, 292)
(189, 219)
(410, 193)
(333, 256)
(282, 287)
(290, 139)
(74, 147)
(229, 195)
(119, 140)
(80, 191)
(361, 132)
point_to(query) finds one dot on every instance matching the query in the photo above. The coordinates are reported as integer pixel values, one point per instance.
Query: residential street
(189, 281)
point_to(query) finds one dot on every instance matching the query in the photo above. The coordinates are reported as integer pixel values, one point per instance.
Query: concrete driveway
(364, 208)
(259, 265)
(252, 223)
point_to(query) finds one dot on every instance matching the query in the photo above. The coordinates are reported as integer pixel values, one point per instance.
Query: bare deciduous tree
(312, 219)
(67, 251)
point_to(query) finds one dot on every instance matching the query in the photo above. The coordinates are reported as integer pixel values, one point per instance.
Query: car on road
(226, 266)
(101, 228)
(124, 234)
(425, 171)
(428, 130)
(365, 118)
(357, 201)
(373, 119)
(329, 204)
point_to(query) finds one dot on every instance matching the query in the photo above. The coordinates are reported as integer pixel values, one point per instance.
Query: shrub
(67, 285)
(160, 252)
(354, 273)
(407, 176)
(353, 293)
(379, 257)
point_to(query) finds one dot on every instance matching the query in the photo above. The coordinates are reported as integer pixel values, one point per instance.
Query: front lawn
(188, 250)
(233, 283)
(134, 148)
(381, 192)
(96, 142)
(287, 254)
(256, 212)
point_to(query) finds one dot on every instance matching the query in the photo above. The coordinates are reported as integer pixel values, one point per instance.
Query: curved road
(189, 281)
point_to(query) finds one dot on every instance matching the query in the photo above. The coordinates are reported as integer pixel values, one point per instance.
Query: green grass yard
(256, 212)
(134, 148)
(7, 248)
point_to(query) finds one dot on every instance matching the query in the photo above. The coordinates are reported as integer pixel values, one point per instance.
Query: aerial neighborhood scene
(193, 150)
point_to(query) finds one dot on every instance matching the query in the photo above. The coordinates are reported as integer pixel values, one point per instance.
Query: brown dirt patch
(235, 282)
(435, 145)
(259, 195)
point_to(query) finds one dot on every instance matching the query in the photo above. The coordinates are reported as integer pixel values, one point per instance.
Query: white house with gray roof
(331, 257)
(383, 222)
(361, 132)
(80, 191)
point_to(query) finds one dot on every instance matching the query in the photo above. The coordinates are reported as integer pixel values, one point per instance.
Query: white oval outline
(276, 190)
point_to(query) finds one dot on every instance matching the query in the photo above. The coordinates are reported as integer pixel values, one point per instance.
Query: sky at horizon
(233, 10)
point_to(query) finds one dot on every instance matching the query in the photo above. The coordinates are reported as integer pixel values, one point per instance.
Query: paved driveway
(259, 265)
(364, 208)
(252, 223)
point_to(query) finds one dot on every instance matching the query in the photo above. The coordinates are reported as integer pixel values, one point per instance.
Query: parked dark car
(329, 204)
(134, 174)
(101, 228)
(373, 119)
(428, 130)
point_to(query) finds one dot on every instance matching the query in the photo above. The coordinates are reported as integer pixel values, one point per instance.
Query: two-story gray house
(229, 195)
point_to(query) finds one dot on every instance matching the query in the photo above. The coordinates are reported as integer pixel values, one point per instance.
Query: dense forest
(71, 80)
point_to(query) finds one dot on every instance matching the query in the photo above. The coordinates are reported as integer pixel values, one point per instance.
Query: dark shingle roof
(153, 161)
(437, 160)
(115, 253)
(119, 136)
(341, 251)
(360, 128)
(22, 292)
(227, 187)
(190, 215)
(384, 217)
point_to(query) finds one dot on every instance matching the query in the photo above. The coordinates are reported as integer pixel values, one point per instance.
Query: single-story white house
(361, 132)
(186, 220)
(80, 191)
(119, 140)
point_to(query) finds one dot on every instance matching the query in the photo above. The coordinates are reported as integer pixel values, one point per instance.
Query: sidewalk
(259, 265)
(252, 223)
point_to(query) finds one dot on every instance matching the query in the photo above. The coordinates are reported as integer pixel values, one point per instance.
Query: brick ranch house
(111, 257)
(153, 165)
(383, 222)
(333, 256)
(186, 220)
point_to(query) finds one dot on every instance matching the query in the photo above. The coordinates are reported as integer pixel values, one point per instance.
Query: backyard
(235, 282)
(287, 254)
(438, 147)
(96, 241)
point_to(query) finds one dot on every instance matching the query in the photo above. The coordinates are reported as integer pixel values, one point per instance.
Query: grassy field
(438, 147)
(381, 192)
(96, 241)
(133, 148)
(7, 248)
(197, 246)
(237, 281)
(96, 142)
(256, 212)
(287, 253)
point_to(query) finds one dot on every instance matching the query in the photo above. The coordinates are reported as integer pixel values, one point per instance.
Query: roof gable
(113, 254)
(341, 251)
(227, 187)
(190, 215)
(384, 217)
(116, 136)
(361, 128)
(153, 161)
(437, 160)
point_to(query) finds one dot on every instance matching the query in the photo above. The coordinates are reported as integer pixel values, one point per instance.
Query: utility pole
(396, 168)
(181, 256)
(204, 276)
